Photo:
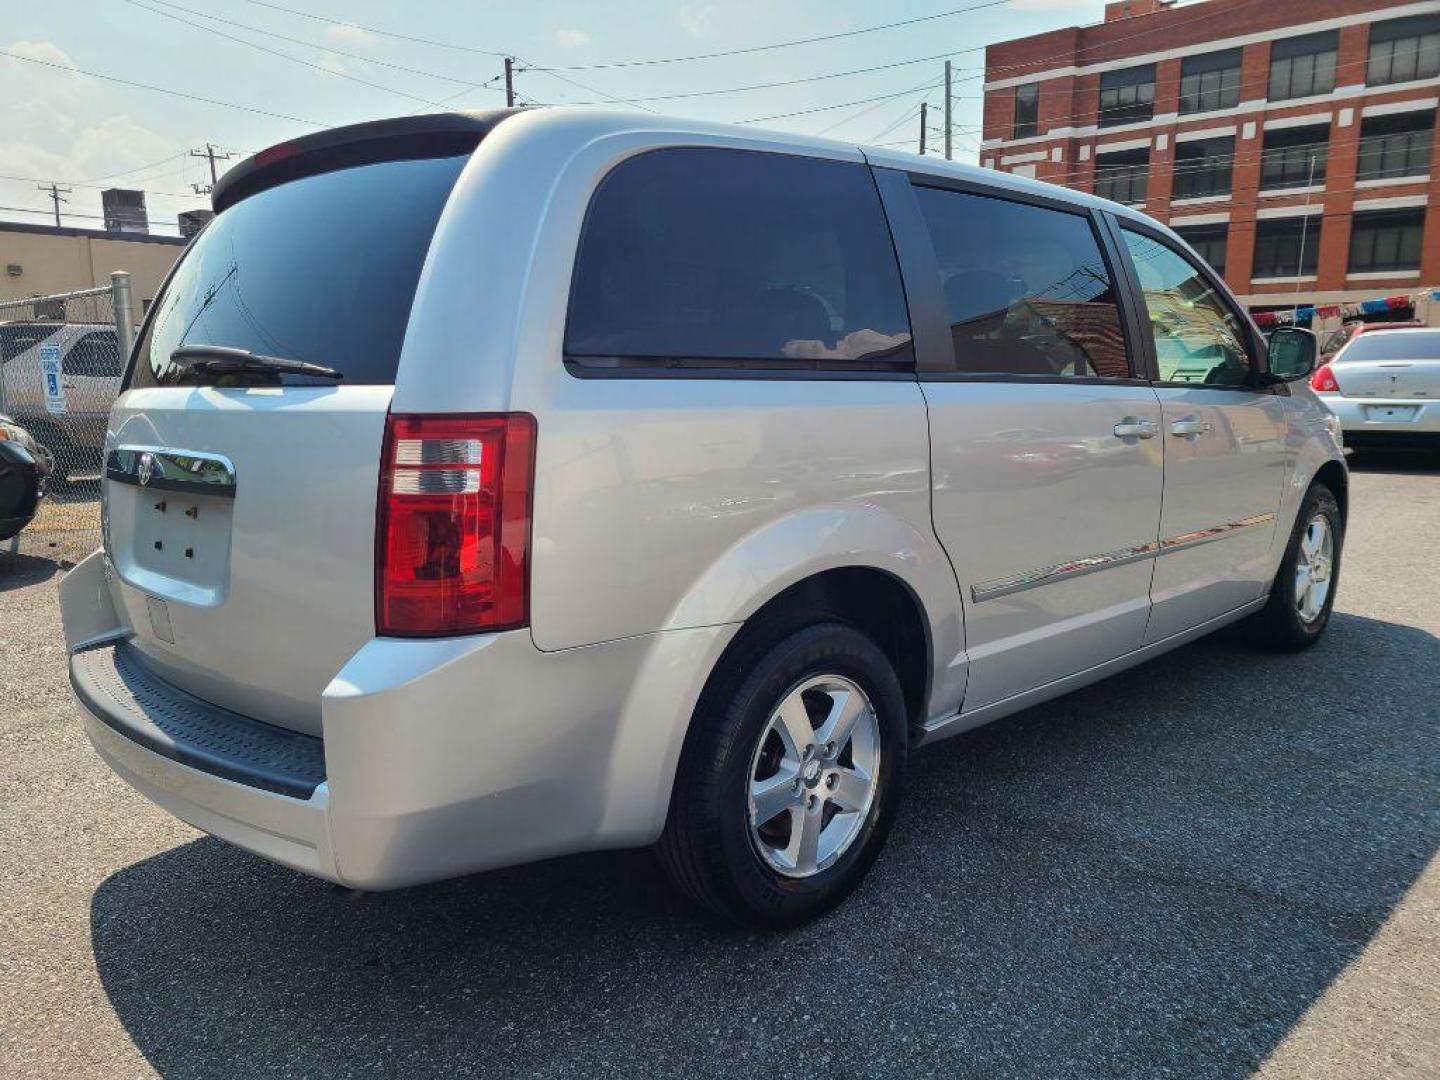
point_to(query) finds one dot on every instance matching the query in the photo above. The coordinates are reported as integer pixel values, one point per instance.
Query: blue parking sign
(50, 374)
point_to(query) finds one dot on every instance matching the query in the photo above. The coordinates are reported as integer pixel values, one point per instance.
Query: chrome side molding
(166, 469)
(1214, 532)
(1089, 564)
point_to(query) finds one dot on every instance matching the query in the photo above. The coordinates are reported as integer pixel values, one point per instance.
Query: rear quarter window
(702, 257)
(322, 268)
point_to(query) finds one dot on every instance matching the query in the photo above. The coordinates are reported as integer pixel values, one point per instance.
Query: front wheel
(790, 777)
(1303, 592)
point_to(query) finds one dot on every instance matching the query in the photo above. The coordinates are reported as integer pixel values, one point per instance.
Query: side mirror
(1292, 353)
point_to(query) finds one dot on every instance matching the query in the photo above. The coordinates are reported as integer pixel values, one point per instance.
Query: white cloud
(63, 127)
(346, 34)
(572, 39)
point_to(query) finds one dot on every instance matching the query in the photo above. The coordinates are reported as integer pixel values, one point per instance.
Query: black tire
(1278, 626)
(707, 848)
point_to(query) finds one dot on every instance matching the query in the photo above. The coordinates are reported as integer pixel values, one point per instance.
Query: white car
(1385, 388)
(488, 487)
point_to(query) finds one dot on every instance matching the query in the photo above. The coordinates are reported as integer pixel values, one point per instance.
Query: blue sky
(58, 124)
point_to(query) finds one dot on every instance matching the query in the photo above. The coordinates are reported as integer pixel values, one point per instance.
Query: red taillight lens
(1324, 380)
(453, 538)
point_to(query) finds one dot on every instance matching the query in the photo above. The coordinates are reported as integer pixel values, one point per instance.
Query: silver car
(70, 424)
(1385, 388)
(489, 487)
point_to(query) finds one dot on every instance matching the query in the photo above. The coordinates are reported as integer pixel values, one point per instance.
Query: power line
(825, 108)
(379, 33)
(770, 85)
(282, 55)
(780, 44)
(468, 83)
(160, 89)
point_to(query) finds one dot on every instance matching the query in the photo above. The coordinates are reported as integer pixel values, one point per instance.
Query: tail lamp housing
(1324, 380)
(452, 546)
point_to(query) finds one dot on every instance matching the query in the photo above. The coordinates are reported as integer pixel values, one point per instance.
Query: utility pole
(509, 82)
(947, 110)
(212, 155)
(924, 120)
(55, 192)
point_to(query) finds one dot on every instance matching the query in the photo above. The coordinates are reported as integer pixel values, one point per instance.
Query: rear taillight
(453, 537)
(1324, 380)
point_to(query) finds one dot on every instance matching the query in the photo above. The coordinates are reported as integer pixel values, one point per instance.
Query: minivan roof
(442, 134)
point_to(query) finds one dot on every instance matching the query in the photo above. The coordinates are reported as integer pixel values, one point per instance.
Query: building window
(1404, 49)
(1386, 240)
(1127, 96)
(1294, 157)
(1121, 175)
(1210, 81)
(1209, 242)
(1303, 66)
(1027, 110)
(1396, 145)
(1202, 167)
(1286, 247)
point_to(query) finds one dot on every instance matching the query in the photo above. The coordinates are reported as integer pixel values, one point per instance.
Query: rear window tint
(1392, 345)
(710, 257)
(1026, 288)
(321, 269)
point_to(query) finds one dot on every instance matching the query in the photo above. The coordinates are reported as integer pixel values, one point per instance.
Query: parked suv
(489, 487)
(71, 425)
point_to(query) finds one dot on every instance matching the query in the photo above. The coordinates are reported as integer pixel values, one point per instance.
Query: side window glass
(94, 355)
(716, 258)
(1198, 339)
(1026, 289)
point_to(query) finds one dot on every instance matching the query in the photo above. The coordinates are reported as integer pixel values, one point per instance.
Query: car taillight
(453, 533)
(1324, 380)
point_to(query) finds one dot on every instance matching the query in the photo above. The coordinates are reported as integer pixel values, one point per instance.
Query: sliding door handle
(1134, 428)
(1191, 427)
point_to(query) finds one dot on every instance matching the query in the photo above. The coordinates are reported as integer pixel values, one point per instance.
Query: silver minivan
(489, 487)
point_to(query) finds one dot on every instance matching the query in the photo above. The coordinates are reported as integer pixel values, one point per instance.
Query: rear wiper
(221, 360)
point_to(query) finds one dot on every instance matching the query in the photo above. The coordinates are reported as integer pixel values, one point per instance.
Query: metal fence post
(124, 313)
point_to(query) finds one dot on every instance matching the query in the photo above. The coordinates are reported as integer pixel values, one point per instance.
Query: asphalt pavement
(1217, 863)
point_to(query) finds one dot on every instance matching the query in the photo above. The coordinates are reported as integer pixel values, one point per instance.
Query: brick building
(1291, 144)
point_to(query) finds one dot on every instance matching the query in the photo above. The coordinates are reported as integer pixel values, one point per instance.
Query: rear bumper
(440, 758)
(1363, 417)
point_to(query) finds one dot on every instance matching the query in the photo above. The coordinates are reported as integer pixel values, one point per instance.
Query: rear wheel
(790, 777)
(1303, 592)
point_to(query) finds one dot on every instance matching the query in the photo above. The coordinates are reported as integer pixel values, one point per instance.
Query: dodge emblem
(147, 468)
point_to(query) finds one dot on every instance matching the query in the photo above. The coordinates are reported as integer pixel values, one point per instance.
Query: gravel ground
(1216, 863)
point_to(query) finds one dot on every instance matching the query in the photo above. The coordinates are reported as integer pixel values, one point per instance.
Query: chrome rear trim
(167, 469)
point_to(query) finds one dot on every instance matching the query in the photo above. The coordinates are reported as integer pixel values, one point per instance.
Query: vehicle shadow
(18, 570)
(1154, 876)
(1400, 462)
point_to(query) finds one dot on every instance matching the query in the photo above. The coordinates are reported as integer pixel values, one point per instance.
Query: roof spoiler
(399, 138)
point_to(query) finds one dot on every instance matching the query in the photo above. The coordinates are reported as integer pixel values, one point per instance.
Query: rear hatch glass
(240, 504)
(321, 269)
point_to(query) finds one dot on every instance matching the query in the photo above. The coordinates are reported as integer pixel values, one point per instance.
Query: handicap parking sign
(50, 374)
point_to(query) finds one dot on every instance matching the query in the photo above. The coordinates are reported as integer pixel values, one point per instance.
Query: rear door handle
(1134, 428)
(1191, 427)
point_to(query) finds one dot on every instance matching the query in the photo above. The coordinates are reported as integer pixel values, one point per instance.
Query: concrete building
(1291, 144)
(36, 260)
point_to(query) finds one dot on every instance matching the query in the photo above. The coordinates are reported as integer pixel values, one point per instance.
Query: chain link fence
(61, 361)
